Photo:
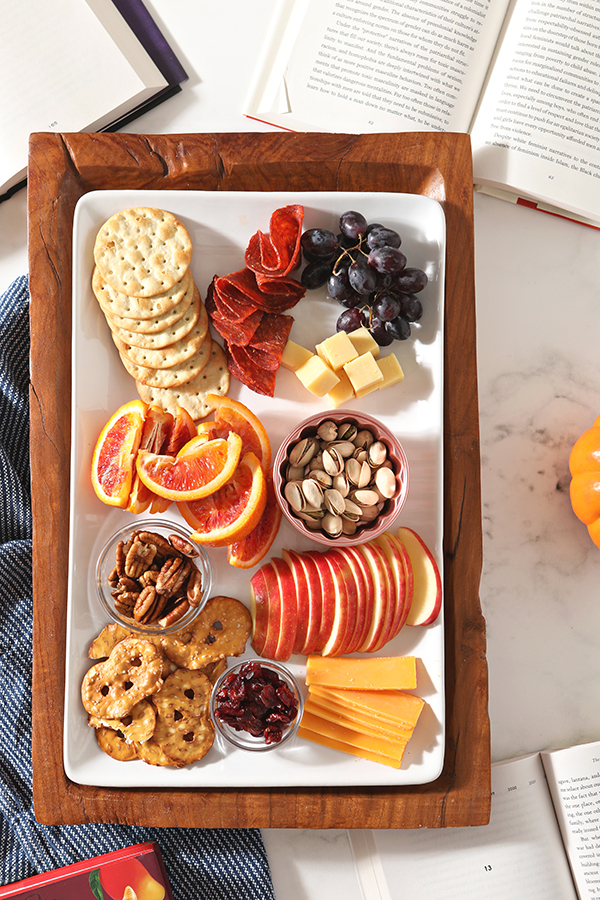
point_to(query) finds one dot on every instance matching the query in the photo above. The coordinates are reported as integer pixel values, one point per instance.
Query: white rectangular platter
(220, 225)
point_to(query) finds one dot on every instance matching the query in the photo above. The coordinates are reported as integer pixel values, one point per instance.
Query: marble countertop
(539, 387)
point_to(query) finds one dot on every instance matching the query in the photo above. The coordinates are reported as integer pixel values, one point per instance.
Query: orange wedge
(113, 460)
(248, 552)
(231, 415)
(190, 476)
(232, 512)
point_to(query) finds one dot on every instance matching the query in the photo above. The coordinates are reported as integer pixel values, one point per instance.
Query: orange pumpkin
(584, 464)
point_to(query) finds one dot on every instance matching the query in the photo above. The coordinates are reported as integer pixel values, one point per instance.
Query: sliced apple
(379, 629)
(338, 635)
(288, 609)
(302, 605)
(274, 610)
(259, 610)
(408, 577)
(366, 595)
(427, 582)
(394, 552)
(327, 598)
(305, 568)
(354, 582)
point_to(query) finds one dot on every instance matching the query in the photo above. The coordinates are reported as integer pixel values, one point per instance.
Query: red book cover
(134, 873)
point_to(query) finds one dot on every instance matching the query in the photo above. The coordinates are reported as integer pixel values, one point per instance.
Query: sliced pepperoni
(235, 332)
(242, 367)
(271, 335)
(277, 253)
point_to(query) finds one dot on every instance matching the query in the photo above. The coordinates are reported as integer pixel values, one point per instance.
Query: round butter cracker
(172, 375)
(191, 396)
(120, 306)
(194, 316)
(143, 251)
(170, 355)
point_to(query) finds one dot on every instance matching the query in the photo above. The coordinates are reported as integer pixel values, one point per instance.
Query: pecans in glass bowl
(341, 477)
(152, 578)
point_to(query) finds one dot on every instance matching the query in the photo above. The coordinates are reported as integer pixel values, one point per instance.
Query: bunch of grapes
(366, 272)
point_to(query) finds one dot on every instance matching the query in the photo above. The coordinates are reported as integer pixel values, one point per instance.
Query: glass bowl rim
(202, 560)
(242, 740)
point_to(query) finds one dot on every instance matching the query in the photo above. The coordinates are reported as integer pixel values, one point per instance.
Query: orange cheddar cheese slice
(388, 673)
(349, 737)
(347, 748)
(356, 718)
(395, 707)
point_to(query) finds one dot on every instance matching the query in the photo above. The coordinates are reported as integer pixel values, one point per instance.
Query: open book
(520, 76)
(77, 65)
(542, 843)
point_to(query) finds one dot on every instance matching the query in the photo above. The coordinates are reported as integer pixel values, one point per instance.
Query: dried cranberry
(256, 700)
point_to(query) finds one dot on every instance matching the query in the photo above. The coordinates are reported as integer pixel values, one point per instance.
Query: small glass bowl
(106, 563)
(396, 455)
(243, 740)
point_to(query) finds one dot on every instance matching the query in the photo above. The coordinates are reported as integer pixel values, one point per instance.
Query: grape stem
(347, 251)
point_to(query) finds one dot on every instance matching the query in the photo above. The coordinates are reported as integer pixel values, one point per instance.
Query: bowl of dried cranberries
(256, 705)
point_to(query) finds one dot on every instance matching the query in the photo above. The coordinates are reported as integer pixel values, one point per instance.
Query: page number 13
(487, 868)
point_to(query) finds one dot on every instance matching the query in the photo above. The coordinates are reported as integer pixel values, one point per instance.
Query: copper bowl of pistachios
(341, 477)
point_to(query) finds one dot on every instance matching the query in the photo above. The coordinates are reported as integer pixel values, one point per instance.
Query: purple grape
(411, 307)
(398, 328)
(349, 320)
(315, 275)
(362, 277)
(387, 259)
(411, 280)
(386, 306)
(353, 224)
(338, 286)
(380, 333)
(380, 236)
(318, 243)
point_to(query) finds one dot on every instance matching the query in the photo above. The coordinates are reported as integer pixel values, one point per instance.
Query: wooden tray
(63, 167)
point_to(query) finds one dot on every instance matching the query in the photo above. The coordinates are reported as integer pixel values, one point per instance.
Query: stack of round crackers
(159, 324)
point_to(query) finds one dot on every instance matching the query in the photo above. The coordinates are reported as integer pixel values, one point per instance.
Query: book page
(537, 129)
(519, 855)
(376, 65)
(62, 71)
(574, 779)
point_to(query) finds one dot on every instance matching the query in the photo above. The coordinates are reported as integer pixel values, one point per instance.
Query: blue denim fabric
(202, 864)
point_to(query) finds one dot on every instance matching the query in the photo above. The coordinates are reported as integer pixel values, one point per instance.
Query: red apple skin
(309, 571)
(366, 594)
(302, 604)
(350, 578)
(408, 578)
(379, 631)
(327, 598)
(274, 611)
(288, 609)
(395, 559)
(427, 581)
(259, 611)
(339, 627)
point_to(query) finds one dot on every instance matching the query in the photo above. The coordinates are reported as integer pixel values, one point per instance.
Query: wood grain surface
(62, 167)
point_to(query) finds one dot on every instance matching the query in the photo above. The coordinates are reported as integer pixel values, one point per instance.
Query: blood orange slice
(157, 427)
(182, 431)
(190, 476)
(250, 550)
(231, 415)
(113, 460)
(232, 512)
